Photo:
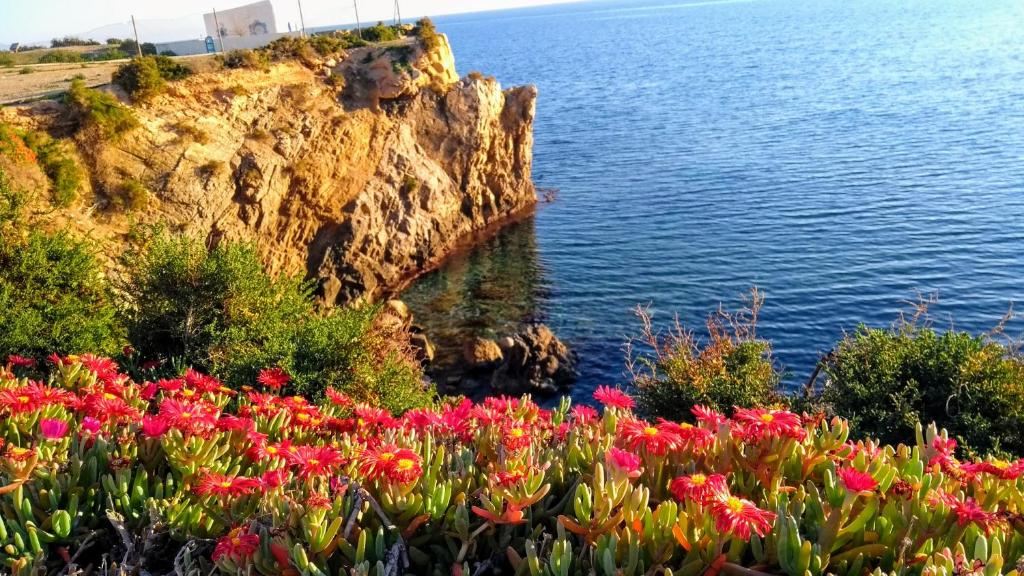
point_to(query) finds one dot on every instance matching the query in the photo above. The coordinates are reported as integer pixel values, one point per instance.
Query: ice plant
(273, 378)
(285, 485)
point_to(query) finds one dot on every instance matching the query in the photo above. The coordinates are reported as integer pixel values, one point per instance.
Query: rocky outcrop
(361, 190)
(531, 360)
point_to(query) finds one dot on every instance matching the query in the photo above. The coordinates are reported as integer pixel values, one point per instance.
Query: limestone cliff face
(361, 190)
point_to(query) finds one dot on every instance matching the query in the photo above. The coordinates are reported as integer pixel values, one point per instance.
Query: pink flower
(90, 425)
(857, 481)
(708, 416)
(273, 378)
(613, 398)
(740, 517)
(154, 426)
(53, 429)
(625, 462)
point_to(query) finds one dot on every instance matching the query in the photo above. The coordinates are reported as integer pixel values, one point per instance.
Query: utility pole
(302, 21)
(359, 29)
(138, 47)
(217, 24)
(398, 14)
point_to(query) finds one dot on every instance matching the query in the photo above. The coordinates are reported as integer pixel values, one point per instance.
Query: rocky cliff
(360, 188)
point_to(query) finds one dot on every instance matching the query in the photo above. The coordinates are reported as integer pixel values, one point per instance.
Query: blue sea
(844, 156)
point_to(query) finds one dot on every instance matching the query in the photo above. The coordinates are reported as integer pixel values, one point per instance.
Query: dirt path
(47, 80)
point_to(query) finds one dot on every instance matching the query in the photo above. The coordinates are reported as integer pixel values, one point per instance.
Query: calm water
(841, 155)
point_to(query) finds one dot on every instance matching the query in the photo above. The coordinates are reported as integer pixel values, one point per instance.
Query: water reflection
(485, 291)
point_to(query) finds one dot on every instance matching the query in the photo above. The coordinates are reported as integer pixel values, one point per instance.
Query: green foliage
(130, 196)
(98, 111)
(52, 292)
(64, 173)
(353, 351)
(887, 381)
(6, 61)
(732, 367)
(107, 54)
(254, 59)
(69, 41)
(427, 34)
(381, 32)
(26, 70)
(215, 308)
(147, 76)
(289, 48)
(60, 56)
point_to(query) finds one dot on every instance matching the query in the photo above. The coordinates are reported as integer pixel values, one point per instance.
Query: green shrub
(254, 59)
(189, 132)
(218, 309)
(130, 196)
(354, 352)
(427, 34)
(52, 291)
(69, 41)
(63, 172)
(147, 76)
(381, 32)
(289, 48)
(60, 56)
(26, 70)
(107, 54)
(99, 111)
(6, 61)
(327, 44)
(729, 368)
(886, 381)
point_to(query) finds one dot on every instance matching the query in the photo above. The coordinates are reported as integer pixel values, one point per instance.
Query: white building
(256, 19)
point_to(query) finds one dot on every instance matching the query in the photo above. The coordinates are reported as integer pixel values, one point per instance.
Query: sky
(38, 21)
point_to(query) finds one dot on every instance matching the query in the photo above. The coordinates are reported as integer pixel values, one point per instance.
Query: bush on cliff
(252, 59)
(63, 172)
(888, 381)
(98, 112)
(211, 307)
(427, 34)
(381, 32)
(52, 294)
(147, 76)
(218, 309)
(730, 367)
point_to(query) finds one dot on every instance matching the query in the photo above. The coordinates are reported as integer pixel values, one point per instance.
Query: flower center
(735, 504)
(23, 399)
(314, 462)
(767, 418)
(405, 464)
(698, 479)
(387, 456)
(517, 432)
(651, 431)
(225, 484)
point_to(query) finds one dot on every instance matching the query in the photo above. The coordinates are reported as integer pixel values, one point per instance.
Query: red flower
(18, 454)
(236, 546)
(274, 478)
(273, 378)
(757, 424)
(583, 415)
(655, 440)
(53, 429)
(622, 461)
(969, 511)
(857, 481)
(19, 400)
(998, 468)
(315, 460)
(16, 361)
(613, 398)
(708, 416)
(515, 437)
(213, 484)
(406, 468)
(189, 417)
(692, 437)
(339, 399)
(740, 517)
(374, 463)
(700, 488)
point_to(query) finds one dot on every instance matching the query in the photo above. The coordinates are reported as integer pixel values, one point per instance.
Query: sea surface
(843, 156)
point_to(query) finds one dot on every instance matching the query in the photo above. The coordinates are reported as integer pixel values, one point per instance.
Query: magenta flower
(91, 425)
(53, 429)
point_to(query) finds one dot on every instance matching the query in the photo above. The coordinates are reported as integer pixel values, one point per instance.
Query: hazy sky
(40, 20)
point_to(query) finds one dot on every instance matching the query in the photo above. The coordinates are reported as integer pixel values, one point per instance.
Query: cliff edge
(360, 188)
